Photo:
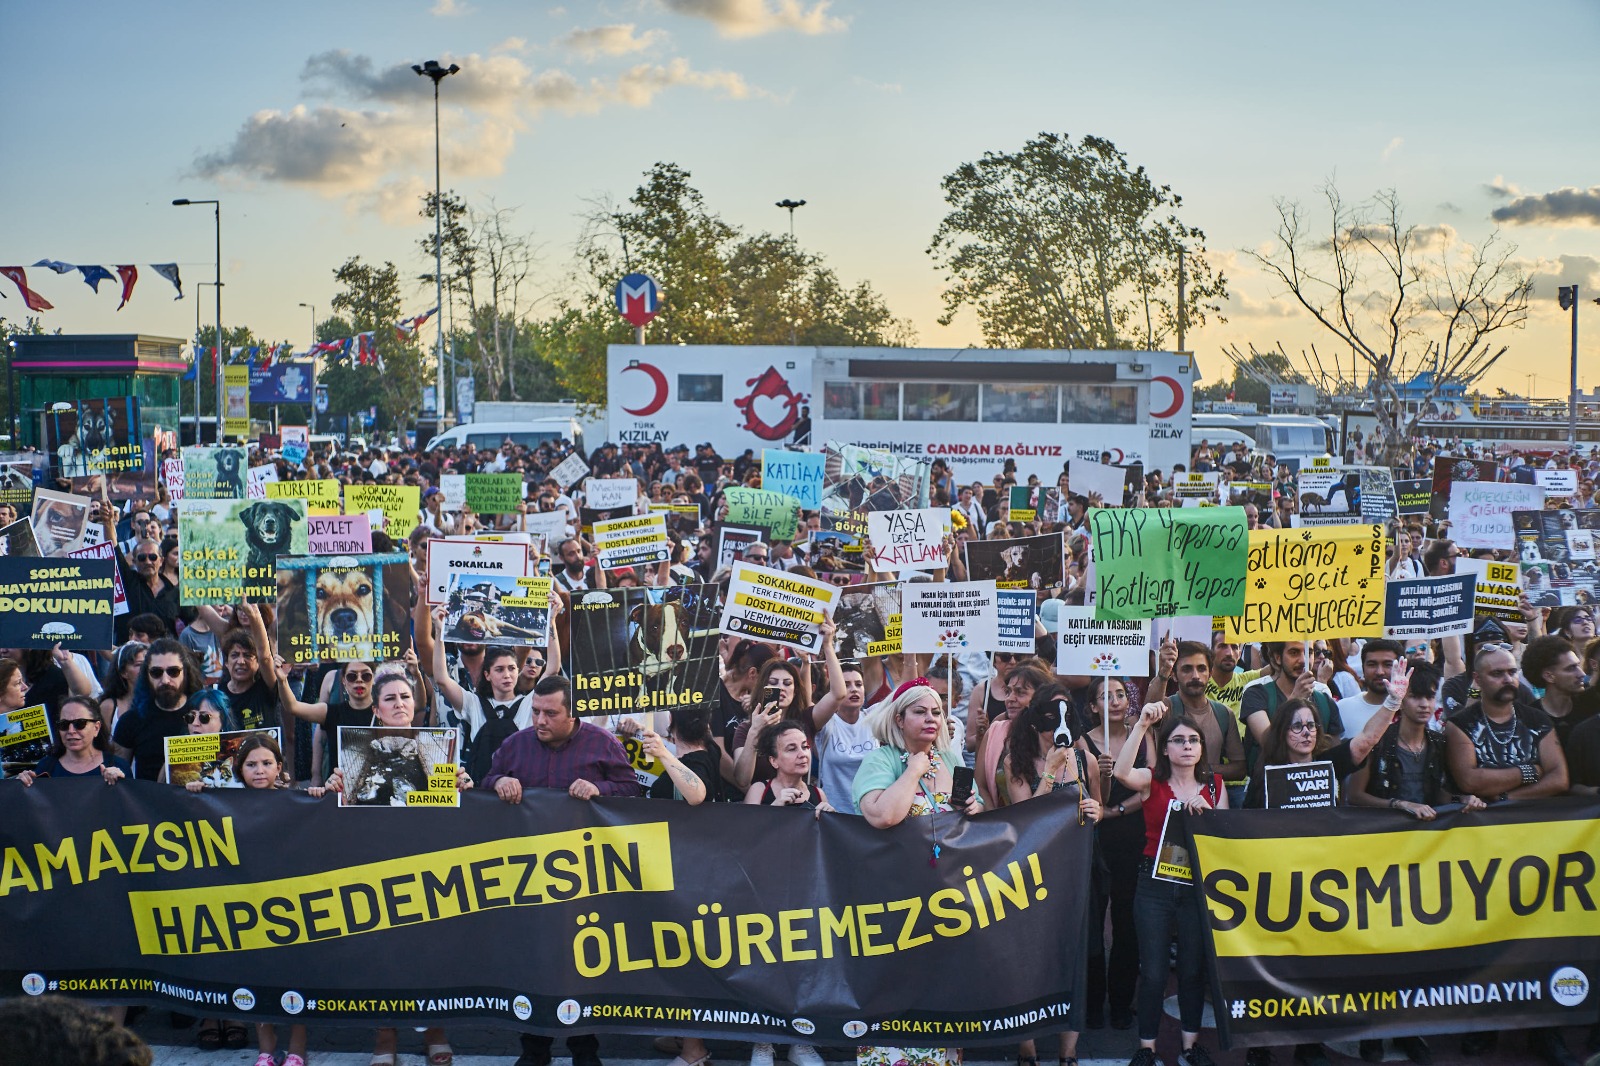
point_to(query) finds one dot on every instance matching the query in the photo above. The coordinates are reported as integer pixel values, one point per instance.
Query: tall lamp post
(216, 367)
(1568, 296)
(432, 69)
(790, 205)
(313, 412)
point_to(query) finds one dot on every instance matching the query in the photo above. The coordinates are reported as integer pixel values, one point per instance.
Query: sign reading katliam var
(949, 616)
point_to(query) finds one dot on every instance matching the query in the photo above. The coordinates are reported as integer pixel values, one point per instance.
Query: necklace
(1494, 734)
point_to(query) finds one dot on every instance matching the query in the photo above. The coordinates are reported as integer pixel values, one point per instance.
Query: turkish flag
(34, 301)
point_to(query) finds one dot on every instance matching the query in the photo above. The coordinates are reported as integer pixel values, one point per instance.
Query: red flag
(129, 275)
(34, 301)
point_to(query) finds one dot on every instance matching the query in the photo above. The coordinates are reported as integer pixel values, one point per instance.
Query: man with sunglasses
(147, 590)
(169, 678)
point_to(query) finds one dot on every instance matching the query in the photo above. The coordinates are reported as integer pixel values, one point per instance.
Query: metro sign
(638, 299)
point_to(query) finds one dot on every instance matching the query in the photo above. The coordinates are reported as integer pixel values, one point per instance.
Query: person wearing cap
(434, 516)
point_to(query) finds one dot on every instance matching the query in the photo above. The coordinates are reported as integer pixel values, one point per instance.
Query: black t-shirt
(256, 707)
(143, 733)
(1583, 753)
(1584, 707)
(707, 766)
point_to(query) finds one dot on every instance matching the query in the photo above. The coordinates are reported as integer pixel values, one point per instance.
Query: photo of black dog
(229, 485)
(92, 436)
(268, 529)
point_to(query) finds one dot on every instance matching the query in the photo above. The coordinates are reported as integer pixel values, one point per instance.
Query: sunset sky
(305, 119)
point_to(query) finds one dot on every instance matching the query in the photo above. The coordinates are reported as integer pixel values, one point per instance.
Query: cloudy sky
(306, 120)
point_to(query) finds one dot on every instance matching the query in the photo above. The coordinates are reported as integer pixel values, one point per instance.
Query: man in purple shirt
(560, 751)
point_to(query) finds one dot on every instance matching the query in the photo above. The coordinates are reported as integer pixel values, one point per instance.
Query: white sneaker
(761, 1055)
(804, 1055)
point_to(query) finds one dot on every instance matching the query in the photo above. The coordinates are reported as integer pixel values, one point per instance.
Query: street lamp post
(1568, 297)
(313, 412)
(216, 367)
(432, 69)
(790, 205)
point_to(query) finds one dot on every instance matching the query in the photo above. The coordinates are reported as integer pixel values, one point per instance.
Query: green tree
(1063, 245)
(369, 301)
(30, 326)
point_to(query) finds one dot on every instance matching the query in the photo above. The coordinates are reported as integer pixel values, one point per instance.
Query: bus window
(876, 401)
(1020, 403)
(1099, 404)
(926, 402)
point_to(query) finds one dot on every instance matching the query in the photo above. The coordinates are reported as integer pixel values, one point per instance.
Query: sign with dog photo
(1017, 562)
(870, 479)
(644, 649)
(64, 522)
(513, 611)
(344, 607)
(470, 560)
(230, 548)
(124, 486)
(208, 757)
(213, 474)
(389, 767)
(57, 601)
(94, 436)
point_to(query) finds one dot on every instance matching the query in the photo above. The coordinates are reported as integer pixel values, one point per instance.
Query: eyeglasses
(1004, 657)
(1580, 620)
(167, 671)
(204, 717)
(68, 725)
(358, 679)
(1184, 742)
(1303, 727)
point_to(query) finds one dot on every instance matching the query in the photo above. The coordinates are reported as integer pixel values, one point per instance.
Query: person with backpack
(1188, 663)
(491, 714)
(1291, 680)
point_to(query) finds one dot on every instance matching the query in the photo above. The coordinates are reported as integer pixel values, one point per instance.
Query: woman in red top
(1181, 781)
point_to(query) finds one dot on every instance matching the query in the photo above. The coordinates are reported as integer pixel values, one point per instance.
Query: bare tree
(1404, 300)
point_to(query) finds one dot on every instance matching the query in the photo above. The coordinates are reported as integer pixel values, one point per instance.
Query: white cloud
(484, 83)
(1501, 189)
(1392, 147)
(615, 40)
(511, 44)
(447, 8)
(636, 87)
(752, 18)
(1566, 206)
(891, 87)
(1549, 274)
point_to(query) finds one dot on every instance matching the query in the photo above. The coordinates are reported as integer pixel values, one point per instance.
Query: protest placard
(777, 608)
(588, 516)
(1017, 562)
(1162, 562)
(644, 649)
(321, 496)
(1556, 550)
(398, 767)
(1086, 476)
(337, 534)
(400, 505)
(1480, 512)
(471, 560)
(94, 436)
(841, 535)
(872, 479)
(682, 518)
(1256, 492)
(497, 610)
(734, 541)
(949, 616)
(296, 443)
(1449, 470)
(1199, 486)
(16, 483)
(1308, 583)
(46, 602)
(797, 474)
(1556, 482)
(124, 486)
(493, 493)
(1174, 849)
(1430, 606)
(344, 607)
(256, 480)
(863, 618)
(172, 477)
(108, 551)
(634, 541)
(607, 493)
(236, 401)
(453, 487)
(551, 526)
(1413, 496)
(774, 512)
(1023, 502)
(1499, 588)
(1015, 622)
(208, 757)
(1300, 786)
(230, 548)
(1351, 495)
(25, 737)
(569, 471)
(213, 473)
(64, 522)
(908, 540)
(1089, 645)
(18, 539)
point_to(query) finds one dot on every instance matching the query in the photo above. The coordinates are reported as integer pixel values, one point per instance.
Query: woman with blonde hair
(909, 773)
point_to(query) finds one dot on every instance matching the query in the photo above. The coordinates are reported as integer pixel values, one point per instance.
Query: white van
(1293, 437)
(490, 435)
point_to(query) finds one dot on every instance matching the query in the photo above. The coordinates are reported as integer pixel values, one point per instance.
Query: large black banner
(552, 915)
(1337, 924)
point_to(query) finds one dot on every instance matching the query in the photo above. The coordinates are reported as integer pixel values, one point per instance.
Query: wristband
(1530, 773)
(1393, 804)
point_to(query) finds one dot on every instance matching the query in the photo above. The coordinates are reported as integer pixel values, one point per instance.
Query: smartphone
(961, 787)
(769, 695)
(544, 566)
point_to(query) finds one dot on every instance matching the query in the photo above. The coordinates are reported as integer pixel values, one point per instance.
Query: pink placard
(337, 534)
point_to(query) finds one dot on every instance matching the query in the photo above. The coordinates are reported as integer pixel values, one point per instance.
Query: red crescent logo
(660, 398)
(1177, 397)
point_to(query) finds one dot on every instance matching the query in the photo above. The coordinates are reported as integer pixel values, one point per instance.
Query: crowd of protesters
(1510, 712)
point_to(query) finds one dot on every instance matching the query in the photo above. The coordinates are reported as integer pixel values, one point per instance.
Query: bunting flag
(129, 275)
(57, 265)
(366, 348)
(170, 272)
(407, 327)
(34, 301)
(94, 275)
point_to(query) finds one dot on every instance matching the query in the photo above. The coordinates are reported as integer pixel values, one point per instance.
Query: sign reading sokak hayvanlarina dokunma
(46, 602)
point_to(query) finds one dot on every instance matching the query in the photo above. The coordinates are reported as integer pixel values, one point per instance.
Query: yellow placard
(321, 496)
(399, 503)
(1301, 584)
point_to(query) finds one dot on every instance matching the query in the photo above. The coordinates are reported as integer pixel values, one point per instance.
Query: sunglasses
(80, 725)
(1004, 657)
(537, 664)
(147, 558)
(358, 679)
(168, 671)
(204, 717)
